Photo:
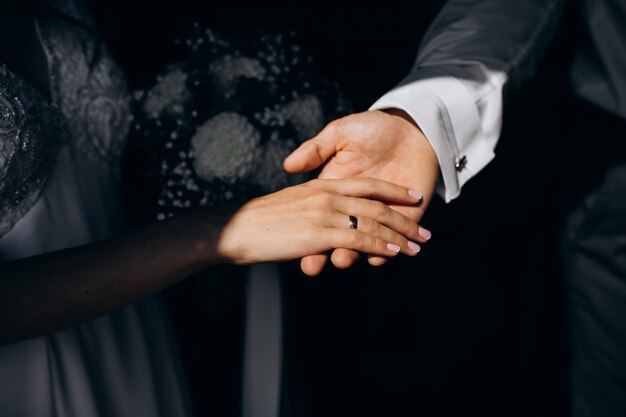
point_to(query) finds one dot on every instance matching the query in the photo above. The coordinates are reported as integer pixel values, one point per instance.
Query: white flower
(270, 174)
(168, 95)
(225, 147)
(228, 69)
(306, 115)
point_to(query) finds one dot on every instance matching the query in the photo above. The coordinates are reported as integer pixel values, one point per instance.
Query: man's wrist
(402, 114)
(414, 131)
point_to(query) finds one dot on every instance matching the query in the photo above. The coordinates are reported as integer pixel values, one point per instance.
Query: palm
(370, 147)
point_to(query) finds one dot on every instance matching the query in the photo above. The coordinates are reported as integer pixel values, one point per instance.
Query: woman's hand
(313, 218)
(61, 289)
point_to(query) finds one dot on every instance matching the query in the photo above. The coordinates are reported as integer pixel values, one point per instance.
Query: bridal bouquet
(219, 123)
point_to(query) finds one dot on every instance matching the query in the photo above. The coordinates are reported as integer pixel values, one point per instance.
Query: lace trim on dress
(93, 95)
(27, 151)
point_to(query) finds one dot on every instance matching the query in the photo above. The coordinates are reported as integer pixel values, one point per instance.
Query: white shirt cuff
(448, 116)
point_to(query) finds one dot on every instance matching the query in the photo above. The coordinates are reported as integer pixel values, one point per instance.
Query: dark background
(476, 323)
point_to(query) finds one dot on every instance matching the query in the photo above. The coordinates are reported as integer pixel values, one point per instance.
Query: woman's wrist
(204, 234)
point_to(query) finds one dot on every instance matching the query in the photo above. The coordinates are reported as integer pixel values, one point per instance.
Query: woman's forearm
(61, 289)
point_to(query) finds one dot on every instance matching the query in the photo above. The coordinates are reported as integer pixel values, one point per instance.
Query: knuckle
(355, 238)
(372, 183)
(379, 209)
(320, 200)
(321, 216)
(380, 244)
(367, 224)
(406, 227)
(414, 228)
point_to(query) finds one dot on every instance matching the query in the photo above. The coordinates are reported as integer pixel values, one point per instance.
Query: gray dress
(58, 189)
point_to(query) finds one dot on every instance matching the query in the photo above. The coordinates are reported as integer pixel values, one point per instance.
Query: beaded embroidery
(27, 151)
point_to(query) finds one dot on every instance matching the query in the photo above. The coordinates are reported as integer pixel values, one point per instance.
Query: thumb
(312, 153)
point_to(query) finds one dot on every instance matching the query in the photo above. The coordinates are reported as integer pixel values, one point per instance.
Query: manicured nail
(414, 246)
(415, 195)
(424, 233)
(393, 248)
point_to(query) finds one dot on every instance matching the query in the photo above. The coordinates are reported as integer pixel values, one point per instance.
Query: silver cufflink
(460, 162)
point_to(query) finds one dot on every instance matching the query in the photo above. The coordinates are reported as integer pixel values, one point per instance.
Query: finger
(414, 213)
(344, 258)
(377, 230)
(312, 153)
(360, 242)
(376, 260)
(313, 265)
(370, 188)
(382, 214)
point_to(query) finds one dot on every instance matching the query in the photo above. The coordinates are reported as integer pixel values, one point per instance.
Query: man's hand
(385, 145)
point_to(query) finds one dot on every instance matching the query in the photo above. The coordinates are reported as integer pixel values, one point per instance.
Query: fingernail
(424, 233)
(393, 248)
(414, 247)
(415, 195)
